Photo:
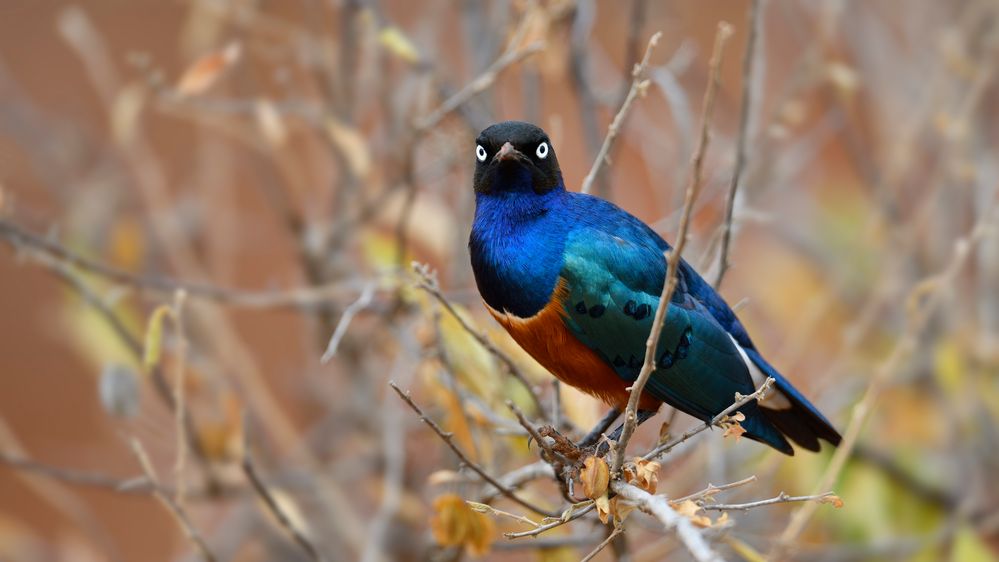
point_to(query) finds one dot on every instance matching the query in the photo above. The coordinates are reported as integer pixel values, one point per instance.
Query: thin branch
(711, 490)
(749, 85)
(659, 507)
(593, 553)
(178, 512)
(428, 283)
(673, 256)
(303, 297)
(179, 395)
(639, 85)
(250, 470)
(739, 402)
(827, 497)
(448, 439)
(571, 514)
(532, 431)
(349, 313)
(480, 84)
(77, 477)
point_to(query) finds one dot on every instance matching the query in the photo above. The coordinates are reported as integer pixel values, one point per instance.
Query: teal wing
(614, 285)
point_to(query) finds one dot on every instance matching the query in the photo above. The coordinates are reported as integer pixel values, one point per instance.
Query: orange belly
(546, 338)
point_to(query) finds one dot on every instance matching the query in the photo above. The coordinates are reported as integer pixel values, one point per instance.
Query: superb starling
(576, 281)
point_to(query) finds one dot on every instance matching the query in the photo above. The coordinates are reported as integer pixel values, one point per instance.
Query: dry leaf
(594, 477)
(352, 145)
(663, 433)
(733, 426)
(690, 510)
(443, 477)
(603, 508)
(646, 474)
(205, 71)
(270, 123)
(455, 523)
(835, 501)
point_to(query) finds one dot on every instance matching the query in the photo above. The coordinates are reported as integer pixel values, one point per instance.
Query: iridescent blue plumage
(535, 245)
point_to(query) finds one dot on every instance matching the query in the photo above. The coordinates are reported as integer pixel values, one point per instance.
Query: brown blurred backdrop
(267, 147)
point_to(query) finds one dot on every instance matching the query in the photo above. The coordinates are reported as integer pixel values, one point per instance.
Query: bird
(576, 281)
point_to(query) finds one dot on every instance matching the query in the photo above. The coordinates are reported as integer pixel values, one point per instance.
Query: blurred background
(282, 163)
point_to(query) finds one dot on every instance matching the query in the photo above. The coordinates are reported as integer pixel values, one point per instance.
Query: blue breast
(516, 247)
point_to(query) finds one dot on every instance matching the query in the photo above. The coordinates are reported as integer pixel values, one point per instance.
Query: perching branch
(659, 507)
(827, 497)
(673, 256)
(448, 439)
(639, 85)
(739, 402)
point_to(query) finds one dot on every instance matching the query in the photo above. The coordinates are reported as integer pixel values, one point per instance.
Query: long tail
(802, 422)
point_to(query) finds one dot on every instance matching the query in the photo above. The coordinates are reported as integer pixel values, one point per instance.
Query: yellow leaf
(154, 338)
(205, 71)
(396, 42)
(455, 523)
(594, 477)
(968, 545)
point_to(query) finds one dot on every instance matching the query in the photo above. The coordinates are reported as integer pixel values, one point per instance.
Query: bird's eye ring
(480, 153)
(542, 150)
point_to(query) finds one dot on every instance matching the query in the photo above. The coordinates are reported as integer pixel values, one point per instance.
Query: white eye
(542, 150)
(480, 153)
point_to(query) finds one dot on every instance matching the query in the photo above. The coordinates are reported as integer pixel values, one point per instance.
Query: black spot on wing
(596, 311)
(642, 311)
(581, 307)
(629, 308)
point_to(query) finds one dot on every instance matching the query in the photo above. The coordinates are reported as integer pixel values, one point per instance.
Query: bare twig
(76, 477)
(178, 512)
(639, 85)
(448, 439)
(658, 507)
(673, 256)
(478, 85)
(250, 470)
(739, 402)
(179, 395)
(593, 553)
(711, 490)
(749, 86)
(827, 497)
(352, 310)
(428, 282)
(303, 297)
(571, 514)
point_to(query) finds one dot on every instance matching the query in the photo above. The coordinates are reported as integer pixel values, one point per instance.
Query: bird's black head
(515, 156)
